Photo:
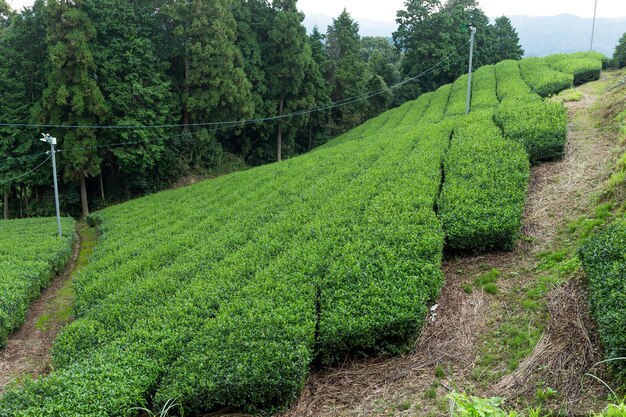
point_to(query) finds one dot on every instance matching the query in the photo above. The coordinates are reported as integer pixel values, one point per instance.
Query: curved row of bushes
(484, 193)
(544, 80)
(222, 294)
(583, 68)
(30, 255)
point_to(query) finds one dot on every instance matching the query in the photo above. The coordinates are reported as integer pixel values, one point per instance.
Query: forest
(147, 94)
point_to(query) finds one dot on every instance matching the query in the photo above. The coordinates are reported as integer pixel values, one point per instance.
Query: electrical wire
(27, 173)
(237, 123)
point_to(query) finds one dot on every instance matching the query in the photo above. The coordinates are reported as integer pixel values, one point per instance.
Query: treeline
(189, 64)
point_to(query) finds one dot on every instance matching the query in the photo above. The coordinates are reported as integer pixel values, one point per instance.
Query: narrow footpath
(27, 353)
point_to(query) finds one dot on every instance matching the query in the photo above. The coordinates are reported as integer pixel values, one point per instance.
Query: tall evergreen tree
(288, 57)
(132, 78)
(23, 71)
(347, 70)
(72, 96)
(505, 41)
(619, 56)
(213, 83)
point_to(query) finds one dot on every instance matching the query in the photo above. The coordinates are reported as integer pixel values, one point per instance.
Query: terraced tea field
(225, 293)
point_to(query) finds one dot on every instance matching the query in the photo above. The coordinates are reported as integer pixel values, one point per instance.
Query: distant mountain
(539, 35)
(567, 33)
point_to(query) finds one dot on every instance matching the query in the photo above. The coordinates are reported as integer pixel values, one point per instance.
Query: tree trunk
(37, 199)
(6, 205)
(279, 140)
(83, 194)
(310, 137)
(26, 202)
(102, 187)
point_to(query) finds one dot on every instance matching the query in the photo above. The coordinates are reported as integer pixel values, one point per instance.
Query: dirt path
(472, 346)
(28, 350)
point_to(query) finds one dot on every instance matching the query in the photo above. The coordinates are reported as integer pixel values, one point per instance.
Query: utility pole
(469, 77)
(53, 141)
(593, 27)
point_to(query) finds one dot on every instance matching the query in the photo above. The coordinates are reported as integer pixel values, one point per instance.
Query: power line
(27, 173)
(239, 123)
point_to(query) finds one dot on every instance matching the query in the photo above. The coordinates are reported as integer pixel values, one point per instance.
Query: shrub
(458, 98)
(30, 256)
(438, 104)
(484, 94)
(544, 80)
(510, 81)
(484, 193)
(583, 68)
(604, 259)
(541, 126)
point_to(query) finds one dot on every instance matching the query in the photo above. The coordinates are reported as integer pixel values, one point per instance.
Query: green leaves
(539, 125)
(544, 80)
(484, 193)
(30, 255)
(604, 260)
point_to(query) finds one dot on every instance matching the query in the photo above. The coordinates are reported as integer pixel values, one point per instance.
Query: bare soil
(448, 350)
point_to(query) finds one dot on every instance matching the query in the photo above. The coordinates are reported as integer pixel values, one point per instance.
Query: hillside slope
(224, 293)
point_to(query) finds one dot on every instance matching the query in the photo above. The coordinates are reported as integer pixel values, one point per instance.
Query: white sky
(386, 10)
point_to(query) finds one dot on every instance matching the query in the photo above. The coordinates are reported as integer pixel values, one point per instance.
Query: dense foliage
(541, 126)
(484, 193)
(186, 63)
(604, 260)
(223, 294)
(619, 56)
(544, 80)
(31, 254)
(584, 69)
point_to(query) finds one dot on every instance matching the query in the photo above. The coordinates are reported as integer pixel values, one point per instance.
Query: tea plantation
(224, 293)
(30, 255)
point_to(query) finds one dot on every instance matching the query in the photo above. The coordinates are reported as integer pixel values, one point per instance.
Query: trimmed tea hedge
(484, 193)
(583, 69)
(458, 98)
(510, 81)
(438, 104)
(484, 94)
(213, 293)
(604, 260)
(544, 80)
(541, 126)
(30, 256)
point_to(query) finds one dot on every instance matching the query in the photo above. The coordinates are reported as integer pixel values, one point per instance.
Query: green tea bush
(484, 193)
(484, 92)
(510, 81)
(438, 105)
(458, 98)
(30, 256)
(541, 126)
(584, 69)
(604, 260)
(219, 304)
(544, 80)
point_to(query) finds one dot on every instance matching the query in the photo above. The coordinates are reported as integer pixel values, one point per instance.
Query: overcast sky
(385, 10)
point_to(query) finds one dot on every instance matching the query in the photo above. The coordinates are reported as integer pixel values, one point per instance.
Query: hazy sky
(386, 10)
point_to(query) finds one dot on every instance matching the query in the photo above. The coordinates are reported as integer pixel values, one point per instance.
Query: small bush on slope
(604, 260)
(484, 193)
(584, 69)
(510, 81)
(30, 255)
(541, 126)
(544, 80)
